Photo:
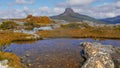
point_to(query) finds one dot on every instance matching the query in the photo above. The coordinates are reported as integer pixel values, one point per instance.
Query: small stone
(67, 64)
(48, 66)
(27, 55)
(29, 65)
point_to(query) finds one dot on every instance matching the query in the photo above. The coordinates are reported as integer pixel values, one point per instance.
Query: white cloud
(97, 12)
(24, 1)
(110, 14)
(106, 9)
(118, 4)
(80, 2)
(58, 10)
(44, 9)
(12, 13)
(71, 3)
(21, 13)
(101, 11)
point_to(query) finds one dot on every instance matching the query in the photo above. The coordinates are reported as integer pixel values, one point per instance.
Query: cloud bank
(91, 8)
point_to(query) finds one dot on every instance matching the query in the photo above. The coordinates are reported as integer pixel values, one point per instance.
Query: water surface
(53, 53)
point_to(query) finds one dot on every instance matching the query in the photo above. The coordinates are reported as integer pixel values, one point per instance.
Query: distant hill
(71, 16)
(113, 20)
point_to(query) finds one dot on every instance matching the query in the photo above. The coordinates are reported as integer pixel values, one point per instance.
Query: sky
(94, 8)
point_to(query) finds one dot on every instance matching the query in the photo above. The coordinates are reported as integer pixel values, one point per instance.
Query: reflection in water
(25, 42)
(54, 53)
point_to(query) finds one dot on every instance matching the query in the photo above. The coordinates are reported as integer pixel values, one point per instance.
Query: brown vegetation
(8, 25)
(81, 33)
(39, 20)
(14, 61)
(6, 37)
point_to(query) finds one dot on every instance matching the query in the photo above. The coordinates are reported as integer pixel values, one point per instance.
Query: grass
(81, 33)
(6, 37)
(14, 60)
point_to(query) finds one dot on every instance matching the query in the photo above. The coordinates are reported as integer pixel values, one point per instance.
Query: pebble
(27, 55)
(29, 65)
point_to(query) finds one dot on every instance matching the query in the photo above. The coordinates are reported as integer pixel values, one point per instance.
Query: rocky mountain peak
(68, 11)
(70, 16)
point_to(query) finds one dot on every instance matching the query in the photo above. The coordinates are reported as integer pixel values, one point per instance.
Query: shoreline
(101, 38)
(10, 37)
(74, 57)
(79, 33)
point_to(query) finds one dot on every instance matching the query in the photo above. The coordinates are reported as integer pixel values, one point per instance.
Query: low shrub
(8, 25)
(70, 25)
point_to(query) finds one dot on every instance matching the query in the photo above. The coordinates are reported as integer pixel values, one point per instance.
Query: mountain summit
(70, 16)
(68, 11)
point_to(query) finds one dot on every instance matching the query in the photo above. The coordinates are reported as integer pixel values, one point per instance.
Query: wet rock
(97, 56)
(27, 55)
(29, 65)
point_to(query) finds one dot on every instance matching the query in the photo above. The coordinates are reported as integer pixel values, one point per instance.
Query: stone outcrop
(97, 56)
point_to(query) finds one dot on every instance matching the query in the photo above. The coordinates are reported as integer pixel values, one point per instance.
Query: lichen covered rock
(97, 57)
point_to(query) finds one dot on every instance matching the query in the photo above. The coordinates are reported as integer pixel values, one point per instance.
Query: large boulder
(98, 56)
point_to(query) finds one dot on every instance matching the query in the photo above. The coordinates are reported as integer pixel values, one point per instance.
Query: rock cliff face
(98, 56)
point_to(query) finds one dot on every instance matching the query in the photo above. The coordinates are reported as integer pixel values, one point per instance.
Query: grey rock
(97, 56)
(27, 55)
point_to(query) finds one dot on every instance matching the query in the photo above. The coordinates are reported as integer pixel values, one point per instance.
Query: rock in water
(96, 57)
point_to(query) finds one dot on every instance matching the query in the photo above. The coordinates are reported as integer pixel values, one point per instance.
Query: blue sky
(36, 3)
(102, 2)
(93, 8)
